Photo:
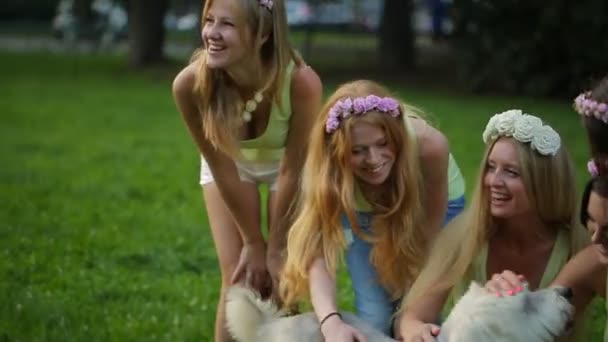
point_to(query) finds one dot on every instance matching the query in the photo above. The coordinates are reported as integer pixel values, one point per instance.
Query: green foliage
(534, 47)
(103, 235)
(30, 9)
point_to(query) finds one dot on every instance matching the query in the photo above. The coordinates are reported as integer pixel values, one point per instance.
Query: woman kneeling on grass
(248, 100)
(376, 184)
(522, 217)
(586, 273)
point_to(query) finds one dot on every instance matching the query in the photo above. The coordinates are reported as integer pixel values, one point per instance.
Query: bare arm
(417, 322)
(305, 98)
(434, 156)
(323, 298)
(585, 275)
(322, 289)
(227, 180)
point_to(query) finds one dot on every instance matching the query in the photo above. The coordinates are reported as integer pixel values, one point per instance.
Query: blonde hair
(220, 103)
(399, 234)
(551, 189)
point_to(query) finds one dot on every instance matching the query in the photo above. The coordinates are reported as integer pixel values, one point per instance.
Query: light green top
(478, 270)
(270, 145)
(456, 183)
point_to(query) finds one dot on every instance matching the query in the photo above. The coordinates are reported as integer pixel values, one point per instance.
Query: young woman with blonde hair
(248, 100)
(586, 273)
(522, 216)
(376, 185)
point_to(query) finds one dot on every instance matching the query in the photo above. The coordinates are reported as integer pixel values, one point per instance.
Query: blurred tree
(19, 10)
(146, 31)
(396, 35)
(83, 10)
(537, 47)
(198, 39)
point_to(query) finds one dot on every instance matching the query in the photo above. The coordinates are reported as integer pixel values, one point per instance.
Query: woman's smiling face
(222, 35)
(372, 156)
(507, 191)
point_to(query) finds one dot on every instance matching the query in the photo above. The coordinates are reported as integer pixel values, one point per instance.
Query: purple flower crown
(360, 105)
(587, 106)
(266, 3)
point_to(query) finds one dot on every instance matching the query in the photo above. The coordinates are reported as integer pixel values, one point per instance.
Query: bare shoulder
(432, 143)
(305, 84)
(183, 83)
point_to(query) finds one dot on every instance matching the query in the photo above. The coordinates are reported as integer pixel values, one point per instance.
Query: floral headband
(266, 3)
(360, 105)
(593, 168)
(587, 106)
(524, 128)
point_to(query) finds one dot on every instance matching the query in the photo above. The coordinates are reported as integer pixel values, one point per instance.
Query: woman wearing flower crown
(376, 185)
(248, 101)
(522, 217)
(586, 273)
(593, 108)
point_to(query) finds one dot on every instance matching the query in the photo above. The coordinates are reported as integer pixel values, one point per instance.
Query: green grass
(103, 236)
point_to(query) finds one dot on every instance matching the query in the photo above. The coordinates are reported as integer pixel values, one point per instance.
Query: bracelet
(335, 313)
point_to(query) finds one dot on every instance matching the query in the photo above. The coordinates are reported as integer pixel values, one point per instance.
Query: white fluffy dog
(479, 316)
(528, 316)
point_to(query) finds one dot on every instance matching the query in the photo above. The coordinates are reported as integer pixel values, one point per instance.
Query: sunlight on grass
(103, 234)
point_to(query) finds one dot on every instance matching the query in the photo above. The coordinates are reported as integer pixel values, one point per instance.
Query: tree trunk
(198, 39)
(83, 10)
(396, 35)
(146, 32)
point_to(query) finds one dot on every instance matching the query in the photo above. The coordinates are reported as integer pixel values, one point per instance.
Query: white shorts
(251, 172)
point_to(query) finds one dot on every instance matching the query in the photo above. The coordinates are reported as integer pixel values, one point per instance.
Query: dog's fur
(536, 316)
(251, 319)
(478, 316)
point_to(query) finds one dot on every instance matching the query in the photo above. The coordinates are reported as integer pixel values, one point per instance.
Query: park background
(103, 234)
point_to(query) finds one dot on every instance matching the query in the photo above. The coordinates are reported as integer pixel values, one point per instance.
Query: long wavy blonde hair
(328, 189)
(220, 103)
(551, 189)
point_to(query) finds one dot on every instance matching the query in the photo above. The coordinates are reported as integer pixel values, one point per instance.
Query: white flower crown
(525, 128)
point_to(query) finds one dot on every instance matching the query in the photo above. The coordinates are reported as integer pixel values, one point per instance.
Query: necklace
(251, 105)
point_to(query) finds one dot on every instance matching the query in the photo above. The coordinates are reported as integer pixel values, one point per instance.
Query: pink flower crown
(593, 168)
(360, 105)
(266, 3)
(587, 106)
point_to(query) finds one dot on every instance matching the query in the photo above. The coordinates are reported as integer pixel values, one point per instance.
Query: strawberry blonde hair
(399, 235)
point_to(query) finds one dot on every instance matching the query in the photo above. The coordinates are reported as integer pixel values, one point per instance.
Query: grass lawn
(103, 236)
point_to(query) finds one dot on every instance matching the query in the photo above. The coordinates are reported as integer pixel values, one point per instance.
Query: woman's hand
(252, 267)
(335, 330)
(419, 332)
(506, 282)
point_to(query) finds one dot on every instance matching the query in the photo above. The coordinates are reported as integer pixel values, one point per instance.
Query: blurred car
(109, 22)
(299, 12)
(339, 13)
(423, 22)
(360, 15)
